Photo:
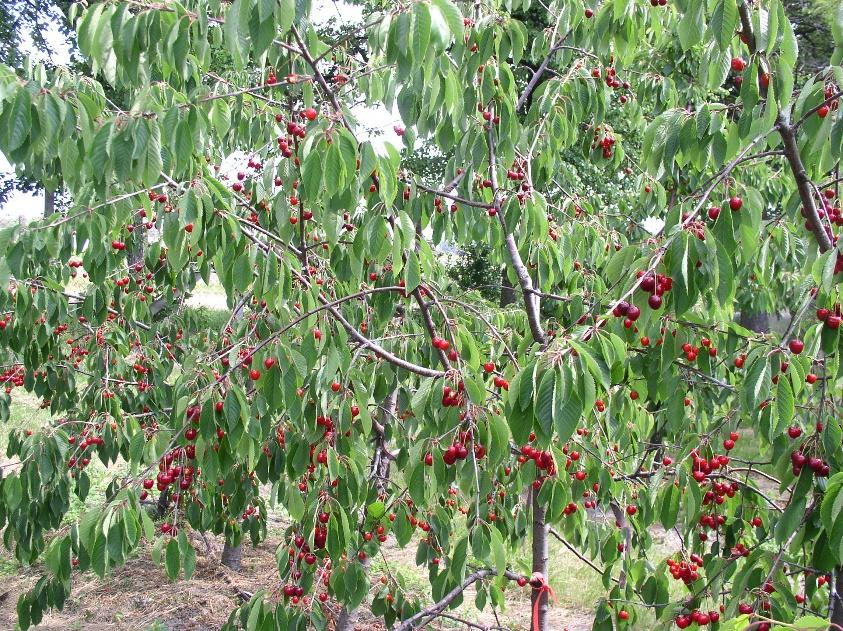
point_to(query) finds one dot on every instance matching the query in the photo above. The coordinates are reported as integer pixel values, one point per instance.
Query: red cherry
(335, 386)
(794, 432)
(796, 346)
(489, 367)
(714, 212)
(254, 374)
(268, 363)
(310, 114)
(735, 203)
(738, 64)
(823, 111)
(655, 301)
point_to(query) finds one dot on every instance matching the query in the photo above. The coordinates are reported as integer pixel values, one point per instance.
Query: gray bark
(540, 557)
(49, 203)
(758, 322)
(507, 290)
(232, 556)
(835, 598)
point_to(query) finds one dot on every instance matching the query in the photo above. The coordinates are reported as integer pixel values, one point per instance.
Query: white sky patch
(653, 225)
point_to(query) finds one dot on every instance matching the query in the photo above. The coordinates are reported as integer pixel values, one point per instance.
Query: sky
(378, 120)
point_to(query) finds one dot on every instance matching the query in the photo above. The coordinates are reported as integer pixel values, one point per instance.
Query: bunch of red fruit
(685, 571)
(697, 617)
(815, 464)
(829, 318)
(630, 313)
(543, 459)
(656, 285)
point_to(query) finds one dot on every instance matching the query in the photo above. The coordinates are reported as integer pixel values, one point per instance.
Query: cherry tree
(370, 397)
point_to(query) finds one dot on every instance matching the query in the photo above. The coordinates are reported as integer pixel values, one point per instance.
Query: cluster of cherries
(453, 397)
(697, 617)
(543, 459)
(12, 377)
(703, 467)
(79, 459)
(241, 176)
(829, 318)
(630, 313)
(606, 143)
(294, 130)
(799, 461)
(685, 571)
(656, 285)
(170, 472)
(692, 351)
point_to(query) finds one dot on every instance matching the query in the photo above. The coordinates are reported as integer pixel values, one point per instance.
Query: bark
(507, 290)
(379, 475)
(835, 598)
(163, 502)
(539, 563)
(49, 203)
(348, 617)
(758, 322)
(232, 556)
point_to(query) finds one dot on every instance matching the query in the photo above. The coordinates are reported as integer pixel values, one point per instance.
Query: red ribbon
(543, 588)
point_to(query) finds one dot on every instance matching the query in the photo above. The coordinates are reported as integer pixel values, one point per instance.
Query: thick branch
(803, 183)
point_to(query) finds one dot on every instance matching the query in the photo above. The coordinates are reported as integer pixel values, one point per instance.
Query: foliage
(366, 390)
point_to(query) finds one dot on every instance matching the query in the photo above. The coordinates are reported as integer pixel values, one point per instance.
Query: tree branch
(415, 621)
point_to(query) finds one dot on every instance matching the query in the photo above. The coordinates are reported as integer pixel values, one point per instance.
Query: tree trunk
(347, 619)
(49, 203)
(835, 598)
(163, 502)
(507, 290)
(758, 322)
(137, 250)
(539, 565)
(232, 556)
(379, 475)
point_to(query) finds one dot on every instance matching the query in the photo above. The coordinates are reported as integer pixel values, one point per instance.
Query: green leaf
(19, 121)
(286, 15)
(810, 623)
(421, 29)
(784, 400)
(724, 20)
(412, 271)
(545, 400)
(756, 386)
(236, 30)
(452, 16)
(172, 559)
(670, 505)
(221, 116)
(692, 26)
(312, 170)
(568, 406)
